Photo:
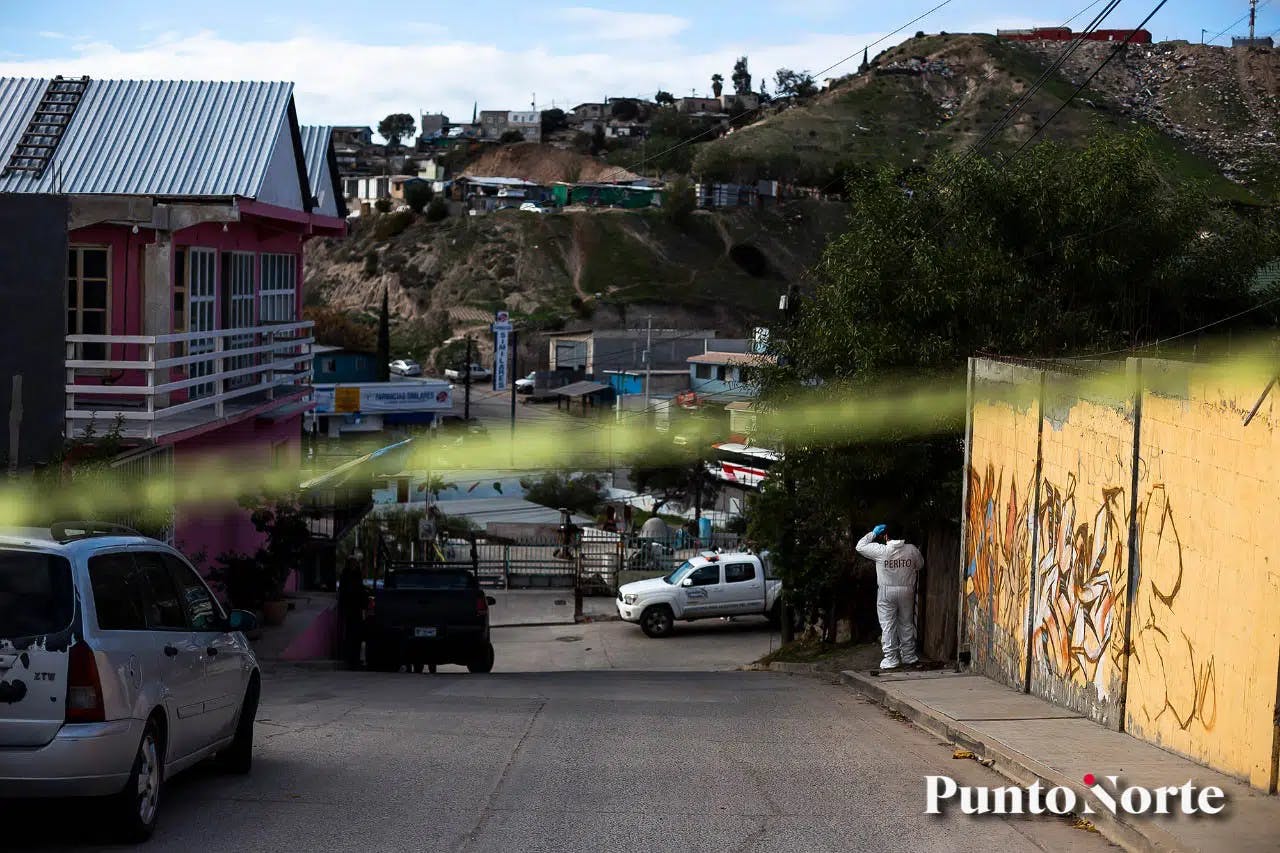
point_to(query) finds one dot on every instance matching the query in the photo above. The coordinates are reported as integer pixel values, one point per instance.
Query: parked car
(406, 367)
(534, 207)
(524, 385)
(705, 586)
(478, 373)
(423, 617)
(118, 669)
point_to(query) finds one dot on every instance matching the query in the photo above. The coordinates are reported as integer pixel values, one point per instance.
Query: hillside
(940, 94)
(1215, 112)
(611, 268)
(545, 165)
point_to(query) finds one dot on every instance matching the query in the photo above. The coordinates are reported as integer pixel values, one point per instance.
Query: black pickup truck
(422, 617)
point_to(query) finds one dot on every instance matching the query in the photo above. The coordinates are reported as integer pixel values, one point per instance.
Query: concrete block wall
(1205, 638)
(1150, 603)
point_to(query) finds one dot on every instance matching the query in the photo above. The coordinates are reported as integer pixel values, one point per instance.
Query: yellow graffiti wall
(1081, 554)
(1002, 470)
(1205, 632)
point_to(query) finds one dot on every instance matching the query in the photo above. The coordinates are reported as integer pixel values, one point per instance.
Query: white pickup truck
(705, 586)
(479, 373)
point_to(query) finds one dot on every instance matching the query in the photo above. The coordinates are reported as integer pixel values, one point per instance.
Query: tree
(1058, 252)
(395, 127)
(679, 202)
(581, 493)
(554, 119)
(510, 137)
(624, 109)
(664, 98)
(717, 84)
(597, 139)
(382, 205)
(384, 340)
(741, 77)
(418, 194)
(337, 328)
(676, 475)
(437, 210)
(794, 84)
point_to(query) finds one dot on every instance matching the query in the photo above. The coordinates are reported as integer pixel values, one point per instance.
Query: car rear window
(432, 580)
(36, 594)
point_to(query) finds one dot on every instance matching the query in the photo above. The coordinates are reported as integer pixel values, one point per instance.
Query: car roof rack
(66, 531)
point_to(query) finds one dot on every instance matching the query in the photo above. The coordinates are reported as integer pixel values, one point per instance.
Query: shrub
(371, 264)
(437, 210)
(418, 194)
(392, 225)
(382, 205)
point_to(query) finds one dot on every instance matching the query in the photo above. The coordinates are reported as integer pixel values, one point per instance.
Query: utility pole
(789, 304)
(466, 384)
(648, 359)
(512, 375)
(1253, 18)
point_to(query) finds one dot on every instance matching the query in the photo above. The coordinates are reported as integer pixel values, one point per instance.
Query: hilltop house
(726, 376)
(151, 268)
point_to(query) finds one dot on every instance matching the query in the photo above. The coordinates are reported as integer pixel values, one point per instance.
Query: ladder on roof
(35, 148)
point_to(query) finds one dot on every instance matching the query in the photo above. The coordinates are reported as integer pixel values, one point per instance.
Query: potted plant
(256, 582)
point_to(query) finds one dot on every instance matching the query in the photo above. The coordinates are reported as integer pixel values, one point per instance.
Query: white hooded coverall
(897, 565)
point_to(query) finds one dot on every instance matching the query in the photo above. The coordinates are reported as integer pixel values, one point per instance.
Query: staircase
(48, 125)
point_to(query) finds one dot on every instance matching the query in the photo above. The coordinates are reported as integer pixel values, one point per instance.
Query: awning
(385, 460)
(582, 389)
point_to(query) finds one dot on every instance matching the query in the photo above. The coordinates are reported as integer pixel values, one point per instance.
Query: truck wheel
(657, 621)
(431, 668)
(380, 660)
(483, 661)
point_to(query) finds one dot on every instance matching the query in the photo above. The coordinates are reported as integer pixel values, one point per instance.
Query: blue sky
(355, 62)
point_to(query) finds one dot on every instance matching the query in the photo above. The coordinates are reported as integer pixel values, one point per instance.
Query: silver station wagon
(118, 668)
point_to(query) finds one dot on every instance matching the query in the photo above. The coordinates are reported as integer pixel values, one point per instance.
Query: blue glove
(878, 529)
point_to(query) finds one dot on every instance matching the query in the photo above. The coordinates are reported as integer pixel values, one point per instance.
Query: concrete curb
(1008, 762)
(792, 668)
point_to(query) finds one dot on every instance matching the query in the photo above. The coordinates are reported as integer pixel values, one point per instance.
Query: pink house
(188, 205)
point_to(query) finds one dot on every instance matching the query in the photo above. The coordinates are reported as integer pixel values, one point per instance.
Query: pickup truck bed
(426, 617)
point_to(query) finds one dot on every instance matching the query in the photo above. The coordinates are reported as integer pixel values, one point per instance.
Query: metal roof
(581, 389)
(153, 137)
(750, 359)
(315, 150)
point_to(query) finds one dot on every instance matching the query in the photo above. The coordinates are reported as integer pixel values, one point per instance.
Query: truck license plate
(424, 632)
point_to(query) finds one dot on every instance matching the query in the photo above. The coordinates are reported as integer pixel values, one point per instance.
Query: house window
(202, 297)
(89, 296)
(702, 371)
(279, 289)
(237, 310)
(722, 372)
(329, 365)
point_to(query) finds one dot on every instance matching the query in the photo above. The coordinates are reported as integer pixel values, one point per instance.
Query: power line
(1180, 335)
(1236, 22)
(714, 128)
(1114, 53)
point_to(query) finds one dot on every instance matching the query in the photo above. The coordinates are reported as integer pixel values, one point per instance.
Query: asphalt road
(549, 754)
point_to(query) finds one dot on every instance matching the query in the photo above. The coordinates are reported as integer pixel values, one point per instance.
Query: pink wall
(219, 527)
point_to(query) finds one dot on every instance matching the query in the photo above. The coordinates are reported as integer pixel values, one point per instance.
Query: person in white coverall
(897, 564)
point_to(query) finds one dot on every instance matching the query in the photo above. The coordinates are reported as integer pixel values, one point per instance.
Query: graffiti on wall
(1080, 583)
(1169, 676)
(998, 546)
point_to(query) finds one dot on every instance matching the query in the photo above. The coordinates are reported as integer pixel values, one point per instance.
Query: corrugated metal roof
(315, 150)
(153, 137)
(750, 359)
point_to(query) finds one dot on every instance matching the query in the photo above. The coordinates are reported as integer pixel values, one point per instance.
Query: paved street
(585, 738)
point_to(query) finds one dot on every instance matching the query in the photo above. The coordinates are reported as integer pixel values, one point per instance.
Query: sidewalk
(1029, 738)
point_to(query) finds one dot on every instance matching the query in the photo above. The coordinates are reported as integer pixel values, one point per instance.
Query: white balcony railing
(160, 384)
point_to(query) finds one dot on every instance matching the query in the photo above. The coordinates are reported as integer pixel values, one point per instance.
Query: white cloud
(52, 34)
(340, 81)
(603, 24)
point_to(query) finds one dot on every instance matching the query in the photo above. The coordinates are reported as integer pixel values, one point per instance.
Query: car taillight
(482, 606)
(84, 688)
(368, 609)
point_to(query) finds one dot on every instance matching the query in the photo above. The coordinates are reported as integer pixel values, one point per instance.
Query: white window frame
(240, 301)
(75, 304)
(278, 288)
(202, 294)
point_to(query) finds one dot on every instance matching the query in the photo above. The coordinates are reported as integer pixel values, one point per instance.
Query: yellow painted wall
(1002, 466)
(1081, 554)
(1206, 614)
